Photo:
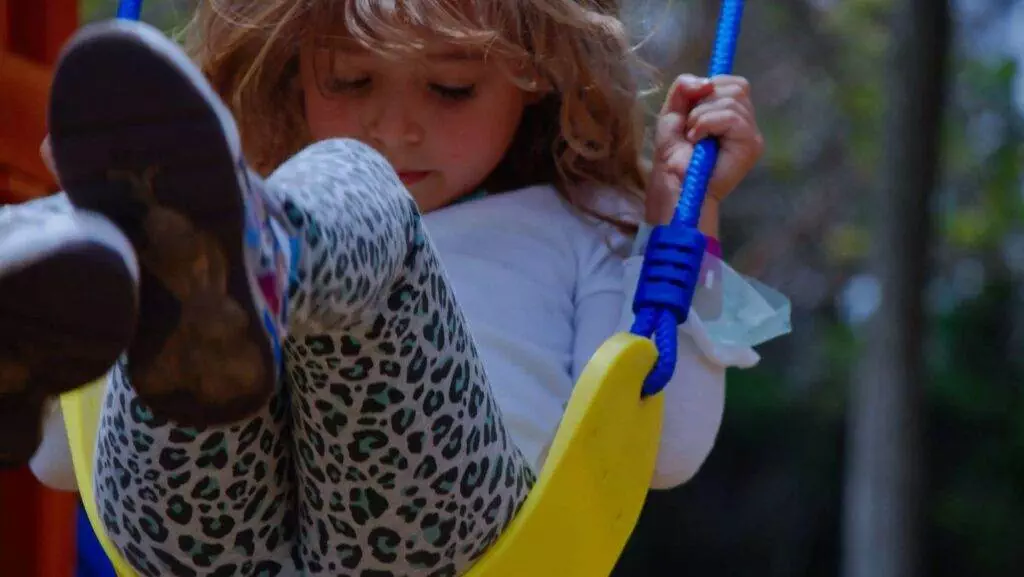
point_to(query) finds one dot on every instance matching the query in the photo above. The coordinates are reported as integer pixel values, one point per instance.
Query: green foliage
(95, 9)
(168, 15)
(977, 436)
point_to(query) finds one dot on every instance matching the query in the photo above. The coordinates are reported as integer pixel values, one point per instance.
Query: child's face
(444, 123)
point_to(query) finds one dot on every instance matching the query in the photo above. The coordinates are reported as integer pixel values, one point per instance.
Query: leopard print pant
(382, 454)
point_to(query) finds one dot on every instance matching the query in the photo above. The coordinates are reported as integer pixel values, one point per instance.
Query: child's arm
(52, 463)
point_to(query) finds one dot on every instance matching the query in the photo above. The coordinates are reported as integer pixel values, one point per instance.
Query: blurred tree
(883, 525)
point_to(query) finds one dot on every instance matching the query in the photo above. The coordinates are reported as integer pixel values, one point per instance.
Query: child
(387, 448)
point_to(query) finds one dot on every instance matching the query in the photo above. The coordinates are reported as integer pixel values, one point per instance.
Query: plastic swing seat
(588, 496)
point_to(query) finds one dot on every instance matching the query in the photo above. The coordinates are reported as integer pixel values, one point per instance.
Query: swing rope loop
(671, 269)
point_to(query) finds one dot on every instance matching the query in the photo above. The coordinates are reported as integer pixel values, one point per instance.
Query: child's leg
(214, 500)
(404, 466)
(67, 311)
(180, 501)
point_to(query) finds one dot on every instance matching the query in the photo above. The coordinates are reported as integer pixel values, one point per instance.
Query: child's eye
(336, 84)
(454, 92)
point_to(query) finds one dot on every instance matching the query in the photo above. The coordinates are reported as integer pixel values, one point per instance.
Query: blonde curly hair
(584, 133)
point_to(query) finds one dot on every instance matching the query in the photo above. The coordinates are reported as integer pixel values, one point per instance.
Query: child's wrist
(709, 217)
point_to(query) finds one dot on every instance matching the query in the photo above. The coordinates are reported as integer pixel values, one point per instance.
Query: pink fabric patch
(713, 265)
(268, 285)
(714, 247)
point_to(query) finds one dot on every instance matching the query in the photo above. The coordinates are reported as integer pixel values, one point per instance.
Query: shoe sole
(139, 136)
(64, 321)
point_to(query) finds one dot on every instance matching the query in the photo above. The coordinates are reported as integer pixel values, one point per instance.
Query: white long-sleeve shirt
(542, 288)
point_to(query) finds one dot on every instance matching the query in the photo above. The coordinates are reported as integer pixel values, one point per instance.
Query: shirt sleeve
(694, 396)
(598, 301)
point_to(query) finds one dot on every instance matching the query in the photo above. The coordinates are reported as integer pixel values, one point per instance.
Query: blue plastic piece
(129, 9)
(672, 261)
(670, 270)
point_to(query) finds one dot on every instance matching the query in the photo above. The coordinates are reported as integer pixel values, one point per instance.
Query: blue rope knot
(664, 293)
(671, 268)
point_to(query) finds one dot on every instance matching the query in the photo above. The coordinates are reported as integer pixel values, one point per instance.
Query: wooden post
(24, 90)
(4, 32)
(31, 36)
(39, 28)
(37, 525)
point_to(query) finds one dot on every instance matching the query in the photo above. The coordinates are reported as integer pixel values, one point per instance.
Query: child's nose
(393, 121)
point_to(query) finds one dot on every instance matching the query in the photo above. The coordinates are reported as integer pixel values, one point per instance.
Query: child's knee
(343, 184)
(345, 151)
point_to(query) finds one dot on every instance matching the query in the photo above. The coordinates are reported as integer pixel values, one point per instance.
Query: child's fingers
(670, 127)
(741, 108)
(731, 92)
(723, 123)
(686, 91)
(726, 80)
(689, 92)
(735, 91)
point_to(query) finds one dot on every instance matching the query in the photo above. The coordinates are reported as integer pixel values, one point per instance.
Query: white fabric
(51, 463)
(542, 288)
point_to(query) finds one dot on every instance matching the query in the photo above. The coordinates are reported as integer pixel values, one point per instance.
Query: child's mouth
(411, 177)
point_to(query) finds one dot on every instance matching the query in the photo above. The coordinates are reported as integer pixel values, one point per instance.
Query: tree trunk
(883, 524)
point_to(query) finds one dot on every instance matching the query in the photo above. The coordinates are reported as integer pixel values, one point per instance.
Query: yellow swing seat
(588, 496)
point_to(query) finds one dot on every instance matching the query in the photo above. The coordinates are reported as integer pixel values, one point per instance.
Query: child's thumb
(686, 92)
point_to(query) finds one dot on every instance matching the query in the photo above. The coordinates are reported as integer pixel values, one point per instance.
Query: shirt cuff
(721, 353)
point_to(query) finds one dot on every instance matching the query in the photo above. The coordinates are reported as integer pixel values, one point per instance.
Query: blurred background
(884, 436)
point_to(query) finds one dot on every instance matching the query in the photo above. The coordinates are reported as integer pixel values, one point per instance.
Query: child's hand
(696, 108)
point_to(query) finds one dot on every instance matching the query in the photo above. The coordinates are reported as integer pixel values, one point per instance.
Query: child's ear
(533, 84)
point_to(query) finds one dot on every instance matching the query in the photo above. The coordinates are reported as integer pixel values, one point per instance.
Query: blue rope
(674, 252)
(129, 9)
